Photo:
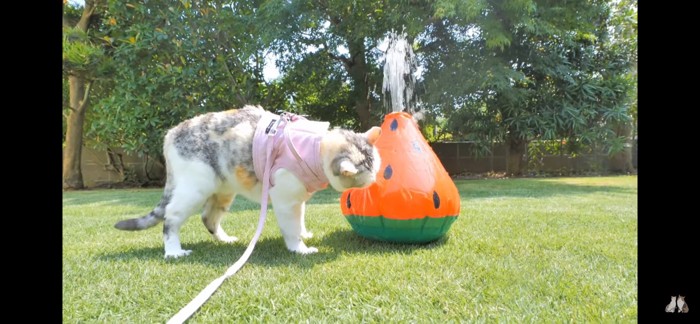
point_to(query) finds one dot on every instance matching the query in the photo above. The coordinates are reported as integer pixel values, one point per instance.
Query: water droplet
(415, 146)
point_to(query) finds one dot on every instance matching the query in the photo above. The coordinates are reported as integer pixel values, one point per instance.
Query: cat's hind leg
(188, 196)
(215, 208)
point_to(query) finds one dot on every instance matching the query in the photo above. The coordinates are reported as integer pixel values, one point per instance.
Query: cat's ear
(372, 134)
(347, 168)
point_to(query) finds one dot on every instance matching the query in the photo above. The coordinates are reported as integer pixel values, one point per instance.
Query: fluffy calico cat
(213, 157)
(682, 306)
(671, 307)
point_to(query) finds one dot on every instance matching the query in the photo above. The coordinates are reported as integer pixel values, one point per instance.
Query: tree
(507, 70)
(83, 61)
(342, 39)
(623, 26)
(530, 70)
(175, 60)
(319, 91)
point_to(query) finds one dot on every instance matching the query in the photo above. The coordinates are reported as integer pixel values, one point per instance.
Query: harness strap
(189, 309)
(301, 161)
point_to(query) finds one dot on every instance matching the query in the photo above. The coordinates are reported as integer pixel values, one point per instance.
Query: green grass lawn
(522, 250)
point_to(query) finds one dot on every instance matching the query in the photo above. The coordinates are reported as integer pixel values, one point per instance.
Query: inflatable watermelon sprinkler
(414, 199)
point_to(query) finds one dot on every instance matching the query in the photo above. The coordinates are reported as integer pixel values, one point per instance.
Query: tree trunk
(516, 156)
(357, 68)
(362, 109)
(622, 161)
(79, 90)
(72, 174)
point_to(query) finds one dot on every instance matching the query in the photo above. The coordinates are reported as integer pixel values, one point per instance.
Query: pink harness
(296, 147)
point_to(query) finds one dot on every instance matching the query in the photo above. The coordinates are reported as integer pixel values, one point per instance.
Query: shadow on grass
(272, 252)
(268, 251)
(348, 241)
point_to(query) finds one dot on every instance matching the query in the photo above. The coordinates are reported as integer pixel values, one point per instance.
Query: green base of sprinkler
(421, 230)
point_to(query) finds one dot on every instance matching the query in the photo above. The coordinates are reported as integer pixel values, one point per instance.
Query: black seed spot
(394, 125)
(388, 172)
(436, 200)
(347, 202)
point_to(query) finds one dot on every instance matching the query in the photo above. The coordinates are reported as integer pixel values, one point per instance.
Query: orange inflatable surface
(414, 199)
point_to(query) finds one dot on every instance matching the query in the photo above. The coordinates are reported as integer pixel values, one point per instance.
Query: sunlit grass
(533, 250)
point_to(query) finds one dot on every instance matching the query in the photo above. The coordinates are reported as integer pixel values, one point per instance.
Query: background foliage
(509, 71)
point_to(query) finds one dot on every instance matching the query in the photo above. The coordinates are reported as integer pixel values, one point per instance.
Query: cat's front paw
(306, 250)
(177, 254)
(225, 238)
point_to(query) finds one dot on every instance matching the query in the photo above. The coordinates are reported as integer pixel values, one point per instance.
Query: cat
(682, 306)
(213, 157)
(671, 307)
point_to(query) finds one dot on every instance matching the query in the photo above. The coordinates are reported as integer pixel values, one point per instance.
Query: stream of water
(399, 75)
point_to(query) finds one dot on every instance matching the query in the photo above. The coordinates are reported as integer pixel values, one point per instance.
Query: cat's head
(350, 159)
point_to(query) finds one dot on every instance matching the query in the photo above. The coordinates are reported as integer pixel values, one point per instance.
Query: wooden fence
(102, 168)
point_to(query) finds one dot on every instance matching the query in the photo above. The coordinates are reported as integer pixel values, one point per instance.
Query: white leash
(189, 309)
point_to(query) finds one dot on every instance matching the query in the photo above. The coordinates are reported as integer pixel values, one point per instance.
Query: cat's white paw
(225, 238)
(306, 250)
(307, 235)
(298, 246)
(177, 254)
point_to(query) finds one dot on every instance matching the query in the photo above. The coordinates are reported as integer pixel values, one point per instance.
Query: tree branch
(342, 59)
(84, 102)
(88, 11)
(236, 87)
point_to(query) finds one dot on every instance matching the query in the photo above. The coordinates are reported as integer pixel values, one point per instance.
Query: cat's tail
(153, 218)
(137, 224)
